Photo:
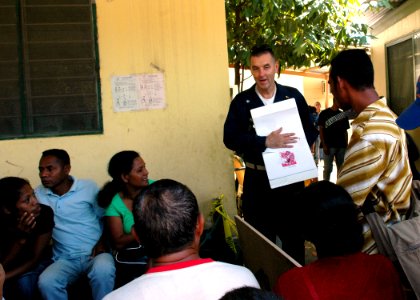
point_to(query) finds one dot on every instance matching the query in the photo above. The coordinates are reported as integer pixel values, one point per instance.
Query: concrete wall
(402, 22)
(317, 90)
(186, 39)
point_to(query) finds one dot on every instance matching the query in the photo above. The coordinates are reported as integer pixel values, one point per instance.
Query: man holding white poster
(271, 211)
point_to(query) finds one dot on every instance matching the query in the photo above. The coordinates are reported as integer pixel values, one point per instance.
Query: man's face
(263, 69)
(27, 202)
(339, 95)
(51, 172)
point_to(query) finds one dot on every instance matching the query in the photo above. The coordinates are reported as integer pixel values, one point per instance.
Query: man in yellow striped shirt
(376, 166)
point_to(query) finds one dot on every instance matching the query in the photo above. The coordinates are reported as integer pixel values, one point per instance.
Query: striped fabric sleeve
(361, 170)
(376, 163)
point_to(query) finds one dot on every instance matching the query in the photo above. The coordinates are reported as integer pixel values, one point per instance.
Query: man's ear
(67, 169)
(200, 225)
(277, 67)
(341, 82)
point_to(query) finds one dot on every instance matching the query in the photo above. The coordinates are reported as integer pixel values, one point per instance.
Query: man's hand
(276, 139)
(98, 249)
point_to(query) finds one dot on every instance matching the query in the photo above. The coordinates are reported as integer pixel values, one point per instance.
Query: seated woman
(342, 271)
(129, 176)
(25, 233)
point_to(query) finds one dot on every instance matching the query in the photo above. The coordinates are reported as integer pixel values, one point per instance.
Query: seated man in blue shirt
(77, 247)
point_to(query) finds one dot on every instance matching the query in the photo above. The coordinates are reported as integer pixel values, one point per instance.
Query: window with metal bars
(49, 69)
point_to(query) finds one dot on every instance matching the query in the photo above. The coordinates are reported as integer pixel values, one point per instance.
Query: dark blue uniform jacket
(239, 132)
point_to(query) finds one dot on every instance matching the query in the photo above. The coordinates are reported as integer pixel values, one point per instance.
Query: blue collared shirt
(77, 217)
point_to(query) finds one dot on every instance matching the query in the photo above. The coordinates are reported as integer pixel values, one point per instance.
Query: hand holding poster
(284, 165)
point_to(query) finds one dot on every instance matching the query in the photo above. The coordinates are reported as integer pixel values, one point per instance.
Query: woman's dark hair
(10, 191)
(330, 219)
(120, 164)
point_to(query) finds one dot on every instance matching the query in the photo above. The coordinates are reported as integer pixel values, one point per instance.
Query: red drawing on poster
(287, 159)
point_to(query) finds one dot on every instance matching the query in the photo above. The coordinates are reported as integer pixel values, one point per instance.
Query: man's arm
(239, 134)
(361, 170)
(101, 246)
(325, 147)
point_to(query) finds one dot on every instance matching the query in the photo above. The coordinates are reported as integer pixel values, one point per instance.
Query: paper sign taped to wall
(284, 165)
(138, 92)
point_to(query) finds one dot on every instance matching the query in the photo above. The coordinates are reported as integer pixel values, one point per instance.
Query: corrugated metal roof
(372, 17)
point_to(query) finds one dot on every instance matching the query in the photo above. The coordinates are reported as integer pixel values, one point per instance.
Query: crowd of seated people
(166, 219)
(53, 235)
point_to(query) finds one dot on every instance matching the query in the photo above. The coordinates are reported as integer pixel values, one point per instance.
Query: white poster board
(284, 165)
(138, 92)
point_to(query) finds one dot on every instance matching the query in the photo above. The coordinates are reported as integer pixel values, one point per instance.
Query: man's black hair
(355, 66)
(330, 219)
(60, 154)
(257, 50)
(165, 217)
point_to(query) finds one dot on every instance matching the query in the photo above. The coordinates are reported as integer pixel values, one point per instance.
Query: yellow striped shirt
(376, 165)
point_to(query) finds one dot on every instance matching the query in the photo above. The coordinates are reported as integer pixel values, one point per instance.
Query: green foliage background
(302, 33)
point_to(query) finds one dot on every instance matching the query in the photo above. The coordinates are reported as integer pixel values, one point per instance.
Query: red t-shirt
(357, 276)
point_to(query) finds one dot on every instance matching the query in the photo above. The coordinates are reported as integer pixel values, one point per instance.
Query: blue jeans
(100, 271)
(338, 154)
(317, 153)
(25, 286)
